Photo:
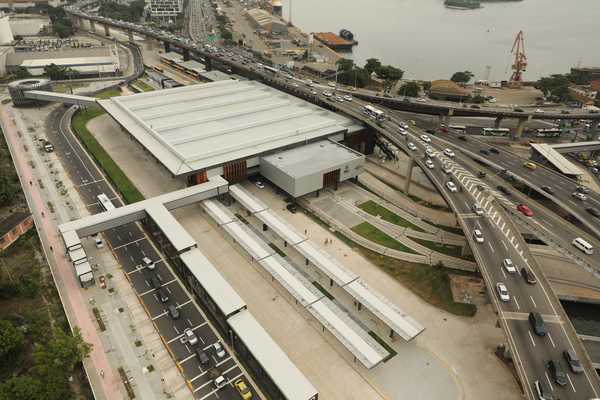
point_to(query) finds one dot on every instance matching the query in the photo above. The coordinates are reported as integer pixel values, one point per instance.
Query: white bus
(583, 246)
(374, 112)
(548, 132)
(105, 202)
(458, 128)
(496, 131)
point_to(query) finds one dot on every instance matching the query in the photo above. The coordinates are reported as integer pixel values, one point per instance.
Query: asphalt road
(130, 244)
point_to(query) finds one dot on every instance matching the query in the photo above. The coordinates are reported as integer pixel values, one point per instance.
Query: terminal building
(236, 128)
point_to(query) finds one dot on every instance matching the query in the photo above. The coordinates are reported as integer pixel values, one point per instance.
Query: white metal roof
(253, 245)
(218, 212)
(327, 264)
(348, 332)
(220, 292)
(77, 254)
(294, 282)
(282, 371)
(555, 158)
(282, 229)
(83, 268)
(246, 199)
(195, 127)
(179, 238)
(401, 323)
(71, 239)
(73, 61)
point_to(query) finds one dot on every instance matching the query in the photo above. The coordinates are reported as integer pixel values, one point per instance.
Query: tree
(478, 99)
(21, 72)
(226, 35)
(410, 89)
(11, 341)
(372, 65)
(22, 388)
(555, 87)
(426, 86)
(390, 75)
(56, 72)
(462, 76)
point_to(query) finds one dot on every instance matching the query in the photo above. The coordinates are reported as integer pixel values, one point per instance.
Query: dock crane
(520, 64)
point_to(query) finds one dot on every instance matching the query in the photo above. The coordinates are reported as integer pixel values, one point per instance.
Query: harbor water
(429, 41)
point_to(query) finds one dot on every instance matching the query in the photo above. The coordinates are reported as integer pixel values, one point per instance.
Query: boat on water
(463, 4)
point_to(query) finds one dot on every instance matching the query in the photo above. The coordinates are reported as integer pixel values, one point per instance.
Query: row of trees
(53, 363)
(9, 182)
(61, 24)
(351, 74)
(131, 12)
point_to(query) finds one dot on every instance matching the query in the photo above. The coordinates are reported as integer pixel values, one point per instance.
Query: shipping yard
(233, 206)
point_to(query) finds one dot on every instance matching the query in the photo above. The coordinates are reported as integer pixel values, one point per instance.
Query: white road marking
(573, 386)
(549, 382)
(551, 341)
(531, 337)
(504, 244)
(503, 273)
(503, 225)
(533, 301)
(491, 248)
(517, 303)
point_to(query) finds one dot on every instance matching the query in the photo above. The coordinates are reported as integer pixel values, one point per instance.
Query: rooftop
(11, 221)
(195, 127)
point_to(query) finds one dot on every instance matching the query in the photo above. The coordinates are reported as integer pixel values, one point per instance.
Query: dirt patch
(468, 289)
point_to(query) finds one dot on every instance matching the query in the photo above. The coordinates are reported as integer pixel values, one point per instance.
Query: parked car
(203, 359)
(148, 263)
(155, 282)
(509, 266)
(162, 294)
(220, 382)
(173, 312)
(190, 337)
(260, 185)
(243, 389)
(478, 236)
(219, 350)
(528, 276)
(542, 390)
(292, 207)
(525, 210)
(537, 323)
(573, 361)
(557, 372)
(502, 292)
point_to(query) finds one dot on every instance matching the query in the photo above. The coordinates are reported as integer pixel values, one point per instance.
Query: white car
(190, 336)
(403, 125)
(451, 187)
(148, 263)
(449, 152)
(539, 111)
(98, 241)
(220, 382)
(295, 85)
(327, 93)
(422, 100)
(260, 185)
(579, 196)
(477, 209)
(411, 146)
(429, 164)
(425, 138)
(339, 99)
(446, 168)
(429, 151)
(502, 291)
(314, 92)
(509, 266)
(402, 132)
(478, 236)
(219, 351)
(347, 97)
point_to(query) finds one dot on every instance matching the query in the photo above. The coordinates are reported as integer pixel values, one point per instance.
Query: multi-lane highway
(129, 244)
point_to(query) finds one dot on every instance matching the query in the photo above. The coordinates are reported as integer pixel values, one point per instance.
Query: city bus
(496, 131)
(270, 69)
(458, 128)
(583, 246)
(548, 132)
(105, 202)
(374, 112)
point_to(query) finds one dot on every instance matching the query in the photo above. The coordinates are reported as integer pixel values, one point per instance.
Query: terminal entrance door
(331, 179)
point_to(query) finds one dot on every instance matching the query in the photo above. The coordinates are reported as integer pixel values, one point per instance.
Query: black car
(583, 189)
(557, 372)
(485, 152)
(292, 208)
(542, 390)
(528, 276)
(537, 323)
(162, 295)
(463, 138)
(519, 110)
(155, 282)
(565, 112)
(475, 106)
(503, 190)
(202, 357)
(573, 361)
(593, 211)
(548, 189)
(493, 150)
(481, 174)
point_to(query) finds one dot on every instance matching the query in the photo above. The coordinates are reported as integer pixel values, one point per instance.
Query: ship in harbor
(463, 4)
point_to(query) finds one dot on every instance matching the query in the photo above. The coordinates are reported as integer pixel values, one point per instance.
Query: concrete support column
(186, 55)
(167, 47)
(106, 30)
(130, 35)
(497, 122)
(92, 26)
(521, 126)
(409, 169)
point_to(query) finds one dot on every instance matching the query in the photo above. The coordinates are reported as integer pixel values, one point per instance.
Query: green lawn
(106, 94)
(431, 283)
(375, 209)
(370, 232)
(129, 192)
(143, 85)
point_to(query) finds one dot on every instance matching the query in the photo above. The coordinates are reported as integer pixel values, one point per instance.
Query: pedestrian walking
(51, 249)
(102, 373)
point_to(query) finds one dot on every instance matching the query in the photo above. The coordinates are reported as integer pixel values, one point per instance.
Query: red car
(525, 210)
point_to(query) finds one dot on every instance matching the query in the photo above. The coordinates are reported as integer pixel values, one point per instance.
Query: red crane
(520, 64)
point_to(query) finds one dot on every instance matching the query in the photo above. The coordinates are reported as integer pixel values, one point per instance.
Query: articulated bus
(496, 131)
(374, 112)
(548, 132)
(105, 202)
(458, 128)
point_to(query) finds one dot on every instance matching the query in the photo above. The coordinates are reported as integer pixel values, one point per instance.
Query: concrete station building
(238, 128)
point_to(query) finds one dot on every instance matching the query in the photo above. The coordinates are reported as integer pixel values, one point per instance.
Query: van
(583, 246)
(537, 323)
(173, 312)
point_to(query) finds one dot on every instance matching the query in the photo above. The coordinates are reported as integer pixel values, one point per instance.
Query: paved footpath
(105, 387)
